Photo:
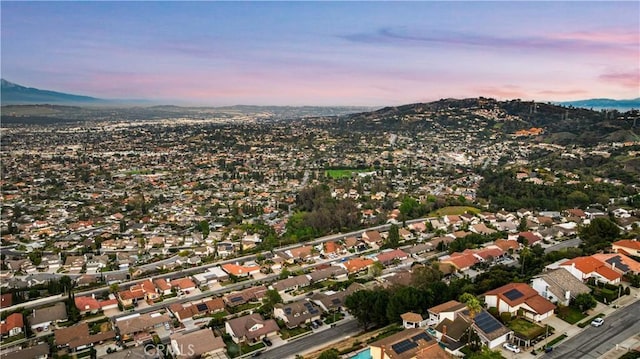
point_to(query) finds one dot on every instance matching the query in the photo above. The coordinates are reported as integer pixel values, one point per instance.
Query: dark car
(267, 342)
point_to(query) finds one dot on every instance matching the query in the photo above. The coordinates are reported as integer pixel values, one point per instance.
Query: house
(300, 254)
(331, 301)
(482, 228)
(38, 351)
(619, 262)
(201, 343)
(390, 256)
(296, 313)
(183, 285)
(291, 283)
(507, 245)
(251, 294)
(330, 272)
(240, 271)
(331, 248)
(514, 297)
(444, 311)
(225, 249)
(12, 325)
(559, 286)
(372, 238)
(413, 320)
(356, 265)
(138, 325)
(78, 337)
(529, 238)
(627, 246)
(409, 343)
(460, 261)
(250, 328)
(212, 276)
(42, 318)
(164, 288)
(584, 268)
(87, 305)
(130, 296)
(491, 332)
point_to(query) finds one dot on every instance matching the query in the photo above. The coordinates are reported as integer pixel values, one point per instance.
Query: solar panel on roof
(513, 294)
(201, 307)
(313, 311)
(336, 301)
(486, 322)
(403, 346)
(236, 299)
(424, 336)
(618, 262)
(287, 311)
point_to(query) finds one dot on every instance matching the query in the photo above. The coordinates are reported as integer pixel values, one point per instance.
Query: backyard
(526, 329)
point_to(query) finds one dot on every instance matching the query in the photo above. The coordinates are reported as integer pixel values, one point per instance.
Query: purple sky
(324, 53)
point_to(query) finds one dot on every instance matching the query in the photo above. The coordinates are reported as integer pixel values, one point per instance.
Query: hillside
(12, 93)
(560, 125)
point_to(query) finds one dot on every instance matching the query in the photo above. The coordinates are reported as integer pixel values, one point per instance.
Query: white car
(512, 348)
(597, 322)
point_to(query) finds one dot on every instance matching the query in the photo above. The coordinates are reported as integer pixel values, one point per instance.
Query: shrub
(505, 317)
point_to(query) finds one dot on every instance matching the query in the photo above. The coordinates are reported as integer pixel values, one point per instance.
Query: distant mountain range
(604, 104)
(14, 94)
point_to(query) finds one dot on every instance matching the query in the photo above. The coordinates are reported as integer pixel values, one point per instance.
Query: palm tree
(474, 306)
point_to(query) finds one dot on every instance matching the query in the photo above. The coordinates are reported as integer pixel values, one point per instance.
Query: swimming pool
(365, 354)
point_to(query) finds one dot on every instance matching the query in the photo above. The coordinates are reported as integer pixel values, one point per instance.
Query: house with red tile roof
(619, 262)
(506, 245)
(387, 257)
(12, 325)
(240, 271)
(162, 285)
(460, 261)
(356, 265)
(584, 268)
(183, 284)
(529, 237)
(302, 253)
(628, 246)
(87, 305)
(488, 254)
(519, 296)
(332, 247)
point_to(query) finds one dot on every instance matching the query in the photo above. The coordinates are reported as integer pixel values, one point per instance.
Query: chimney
(444, 333)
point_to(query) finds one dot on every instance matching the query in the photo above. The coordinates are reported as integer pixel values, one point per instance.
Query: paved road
(302, 345)
(574, 242)
(592, 342)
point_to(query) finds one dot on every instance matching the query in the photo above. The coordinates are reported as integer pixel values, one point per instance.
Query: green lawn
(346, 173)
(570, 314)
(525, 328)
(455, 210)
(290, 333)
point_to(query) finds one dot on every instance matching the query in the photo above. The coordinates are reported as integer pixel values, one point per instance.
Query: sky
(324, 53)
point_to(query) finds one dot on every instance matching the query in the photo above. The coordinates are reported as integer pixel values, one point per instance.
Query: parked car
(318, 322)
(512, 348)
(314, 325)
(267, 341)
(597, 322)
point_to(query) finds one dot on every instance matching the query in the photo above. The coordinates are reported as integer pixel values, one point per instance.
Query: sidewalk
(622, 348)
(562, 327)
